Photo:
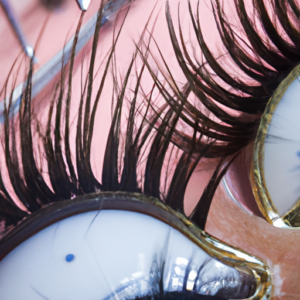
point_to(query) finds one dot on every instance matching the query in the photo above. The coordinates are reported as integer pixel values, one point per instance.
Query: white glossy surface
(83, 4)
(109, 248)
(282, 151)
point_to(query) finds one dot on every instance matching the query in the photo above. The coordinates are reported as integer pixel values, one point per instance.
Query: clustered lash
(264, 59)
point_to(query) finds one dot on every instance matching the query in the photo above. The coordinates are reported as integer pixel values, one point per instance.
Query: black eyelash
(178, 296)
(69, 180)
(271, 60)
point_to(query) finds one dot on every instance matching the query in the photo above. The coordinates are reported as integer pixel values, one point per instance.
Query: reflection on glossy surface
(276, 161)
(118, 253)
(83, 4)
(184, 276)
(282, 146)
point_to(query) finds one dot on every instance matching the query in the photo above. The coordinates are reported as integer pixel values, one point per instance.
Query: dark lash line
(157, 285)
(156, 281)
(270, 63)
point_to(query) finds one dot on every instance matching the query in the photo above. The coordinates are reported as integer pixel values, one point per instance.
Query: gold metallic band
(292, 218)
(226, 254)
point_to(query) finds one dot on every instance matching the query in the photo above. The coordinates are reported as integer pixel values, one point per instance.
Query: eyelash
(157, 289)
(266, 68)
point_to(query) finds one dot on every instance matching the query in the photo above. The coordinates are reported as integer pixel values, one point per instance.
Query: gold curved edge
(291, 220)
(227, 254)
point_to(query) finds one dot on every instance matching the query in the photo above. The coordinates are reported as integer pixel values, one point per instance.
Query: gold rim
(226, 254)
(292, 218)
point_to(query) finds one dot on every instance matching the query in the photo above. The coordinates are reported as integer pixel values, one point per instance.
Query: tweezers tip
(83, 4)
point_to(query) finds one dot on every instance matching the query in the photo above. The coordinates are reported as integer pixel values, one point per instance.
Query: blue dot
(298, 154)
(70, 257)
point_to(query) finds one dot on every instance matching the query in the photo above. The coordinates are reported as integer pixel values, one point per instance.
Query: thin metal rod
(28, 50)
(47, 72)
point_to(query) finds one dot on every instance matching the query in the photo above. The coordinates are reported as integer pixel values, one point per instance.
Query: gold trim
(292, 218)
(223, 252)
(228, 255)
(235, 258)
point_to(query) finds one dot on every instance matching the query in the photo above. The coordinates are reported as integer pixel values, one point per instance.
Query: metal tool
(28, 50)
(83, 4)
(47, 72)
(111, 8)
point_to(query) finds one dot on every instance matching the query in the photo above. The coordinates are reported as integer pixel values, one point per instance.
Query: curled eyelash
(120, 172)
(265, 59)
(147, 126)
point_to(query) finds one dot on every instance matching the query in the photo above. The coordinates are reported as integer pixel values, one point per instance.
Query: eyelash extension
(67, 179)
(272, 56)
(271, 61)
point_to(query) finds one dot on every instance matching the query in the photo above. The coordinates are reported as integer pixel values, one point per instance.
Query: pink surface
(278, 248)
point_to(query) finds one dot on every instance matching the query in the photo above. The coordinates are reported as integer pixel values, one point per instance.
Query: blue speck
(298, 154)
(70, 257)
